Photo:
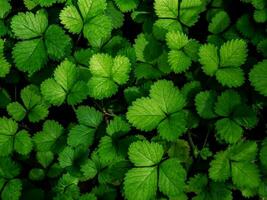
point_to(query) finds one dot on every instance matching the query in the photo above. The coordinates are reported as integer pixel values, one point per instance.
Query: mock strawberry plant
(133, 99)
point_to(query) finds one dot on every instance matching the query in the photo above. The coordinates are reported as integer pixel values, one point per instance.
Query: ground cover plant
(133, 99)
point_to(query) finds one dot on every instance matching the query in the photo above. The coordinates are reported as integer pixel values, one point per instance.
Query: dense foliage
(133, 99)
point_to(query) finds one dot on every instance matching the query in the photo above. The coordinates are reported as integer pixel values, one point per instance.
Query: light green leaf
(166, 8)
(71, 19)
(141, 183)
(179, 61)
(29, 25)
(89, 116)
(230, 77)
(30, 55)
(208, 58)
(204, 102)
(176, 40)
(91, 8)
(16, 111)
(5, 8)
(81, 135)
(233, 53)
(126, 6)
(143, 153)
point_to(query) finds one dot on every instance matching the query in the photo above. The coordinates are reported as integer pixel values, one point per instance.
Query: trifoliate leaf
(58, 44)
(29, 25)
(233, 53)
(23, 143)
(141, 183)
(220, 167)
(143, 153)
(208, 58)
(160, 110)
(64, 85)
(248, 170)
(171, 177)
(204, 102)
(166, 8)
(4, 65)
(30, 55)
(107, 73)
(219, 22)
(47, 138)
(258, 77)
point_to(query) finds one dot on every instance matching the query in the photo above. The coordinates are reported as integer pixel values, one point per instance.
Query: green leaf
(230, 77)
(258, 77)
(89, 169)
(115, 15)
(173, 126)
(97, 29)
(263, 153)
(143, 153)
(23, 143)
(58, 44)
(47, 138)
(204, 102)
(168, 97)
(166, 8)
(5, 8)
(141, 183)
(8, 128)
(16, 111)
(117, 127)
(228, 130)
(126, 6)
(244, 151)
(248, 170)
(81, 135)
(227, 102)
(220, 167)
(161, 110)
(30, 55)
(89, 116)
(190, 11)
(233, 53)
(65, 83)
(45, 158)
(4, 65)
(66, 157)
(179, 61)
(107, 72)
(176, 40)
(171, 177)
(8, 168)
(12, 190)
(91, 8)
(29, 25)
(209, 59)
(219, 22)
(71, 19)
